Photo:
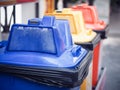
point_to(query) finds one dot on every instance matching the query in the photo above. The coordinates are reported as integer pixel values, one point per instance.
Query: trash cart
(39, 56)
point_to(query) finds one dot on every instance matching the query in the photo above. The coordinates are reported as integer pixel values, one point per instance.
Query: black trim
(103, 32)
(91, 45)
(60, 77)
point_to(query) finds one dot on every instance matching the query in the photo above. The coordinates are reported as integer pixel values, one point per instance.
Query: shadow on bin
(41, 56)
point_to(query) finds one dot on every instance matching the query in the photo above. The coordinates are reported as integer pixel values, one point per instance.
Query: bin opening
(35, 39)
(61, 25)
(49, 20)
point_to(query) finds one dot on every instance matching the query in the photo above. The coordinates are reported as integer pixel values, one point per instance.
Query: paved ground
(111, 54)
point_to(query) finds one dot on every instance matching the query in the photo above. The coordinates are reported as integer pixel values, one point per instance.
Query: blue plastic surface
(62, 25)
(8, 82)
(49, 20)
(67, 59)
(44, 45)
(35, 21)
(64, 29)
(40, 43)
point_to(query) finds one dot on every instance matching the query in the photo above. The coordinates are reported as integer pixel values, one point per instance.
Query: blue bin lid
(42, 45)
(67, 59)
(60, 24)
(46, 20)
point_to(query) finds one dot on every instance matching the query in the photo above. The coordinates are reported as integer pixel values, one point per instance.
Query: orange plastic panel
(91, 16)
(95, 70)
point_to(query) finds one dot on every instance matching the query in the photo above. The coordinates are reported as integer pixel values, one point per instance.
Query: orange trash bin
(91, 21)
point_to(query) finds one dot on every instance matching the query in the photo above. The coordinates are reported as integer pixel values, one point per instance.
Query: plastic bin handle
(3, 44)
(35, 21)
(76, 51)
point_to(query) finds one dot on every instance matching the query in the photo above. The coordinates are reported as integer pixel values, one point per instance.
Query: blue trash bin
(41, 56)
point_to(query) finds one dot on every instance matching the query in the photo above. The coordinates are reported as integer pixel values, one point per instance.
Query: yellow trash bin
(80, 35)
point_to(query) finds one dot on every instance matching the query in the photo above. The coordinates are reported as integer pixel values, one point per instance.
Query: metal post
(14, 14)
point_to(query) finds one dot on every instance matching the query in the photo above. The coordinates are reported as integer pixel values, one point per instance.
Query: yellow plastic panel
(87, 83)
(83, 34)
(79, 21)
(79, 32)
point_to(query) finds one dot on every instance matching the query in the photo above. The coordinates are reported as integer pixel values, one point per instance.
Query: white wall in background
(18, 13)
(28, 11)
(60, 5)
(103, 7)
(42, 8)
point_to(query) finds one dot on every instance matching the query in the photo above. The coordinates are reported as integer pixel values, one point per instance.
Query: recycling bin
(81, 35)
(91, 21)
(41, 56)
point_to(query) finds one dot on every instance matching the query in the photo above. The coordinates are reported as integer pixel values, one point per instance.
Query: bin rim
(103, 32)
(92, 44)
